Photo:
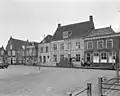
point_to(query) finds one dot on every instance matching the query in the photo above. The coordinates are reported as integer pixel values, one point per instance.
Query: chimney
(10, 37)
(27, 40)
(2, 47)
(110, 26)
(91, 18)
(59, 25)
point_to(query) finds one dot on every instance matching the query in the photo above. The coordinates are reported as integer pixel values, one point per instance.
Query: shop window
(111, 57)
(96, 57)
(103, 57)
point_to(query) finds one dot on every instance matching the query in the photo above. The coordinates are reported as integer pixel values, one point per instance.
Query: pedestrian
(82, 62)
(70, 61)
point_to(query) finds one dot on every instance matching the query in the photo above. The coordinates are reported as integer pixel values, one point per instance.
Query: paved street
(28, 81)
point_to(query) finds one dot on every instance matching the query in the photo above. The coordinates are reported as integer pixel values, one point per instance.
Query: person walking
(82, 62)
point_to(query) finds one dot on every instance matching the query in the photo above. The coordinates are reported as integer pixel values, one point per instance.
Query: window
(109, 43)
(44, 59)
(62, 46)
(41, 49)
(100, 44)
(66, 34)
(23, 47)
(23, 54)
(54, 46)
(2, 52)
(69, 56)
(46, 49)
(78, 45)
(69, 45)
(96, 57)
(103, 57)
(62, 57)
(89, 45)
(13, 52)
(40, 59)
(11, 47)
(111, 57)
(48, 56)
(30, 51)
(55, 58)
(9, 53)
(77, 57)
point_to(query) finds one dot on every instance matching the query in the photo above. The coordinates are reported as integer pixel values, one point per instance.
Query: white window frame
(78, 45)
(69, 45)
(65, 34)
(62, 46)
(109, 40)
(2, 52)
(90, 42)
(11, 47)
(9, 53)
(104, 59)
(46, 49)
(96, 56)
(54, 46)
(41, 49)
(13, 52)
(113, 55)
(102, 44)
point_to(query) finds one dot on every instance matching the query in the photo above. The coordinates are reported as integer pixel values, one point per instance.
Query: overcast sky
(31, 19)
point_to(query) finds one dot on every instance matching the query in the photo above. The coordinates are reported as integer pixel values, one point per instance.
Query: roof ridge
(102, 28)
(19, 40)
(75, 23)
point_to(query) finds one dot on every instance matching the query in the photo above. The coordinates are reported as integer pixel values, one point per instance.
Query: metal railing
(88, 89)
(106, 86)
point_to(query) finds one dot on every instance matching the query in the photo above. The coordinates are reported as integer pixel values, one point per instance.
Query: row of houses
(81, 41)
(19, 52)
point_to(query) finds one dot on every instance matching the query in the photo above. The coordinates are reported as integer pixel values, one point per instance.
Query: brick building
(15, 51)
(102, 47)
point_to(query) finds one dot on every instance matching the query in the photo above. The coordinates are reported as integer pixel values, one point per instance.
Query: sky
(31, 19)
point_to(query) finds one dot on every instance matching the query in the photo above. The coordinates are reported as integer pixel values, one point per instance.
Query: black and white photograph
(59, 47)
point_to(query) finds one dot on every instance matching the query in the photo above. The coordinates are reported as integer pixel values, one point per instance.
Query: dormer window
(23, 47)
(66, 34)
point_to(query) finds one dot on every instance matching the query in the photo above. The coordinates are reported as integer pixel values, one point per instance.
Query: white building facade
(67, 42)
(71, 48)
(44, 52)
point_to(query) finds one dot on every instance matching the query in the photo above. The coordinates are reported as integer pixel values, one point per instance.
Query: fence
(88, 89)
(106, 86)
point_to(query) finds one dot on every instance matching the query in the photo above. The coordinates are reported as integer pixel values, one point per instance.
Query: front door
(11, 61)
(88, 57)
